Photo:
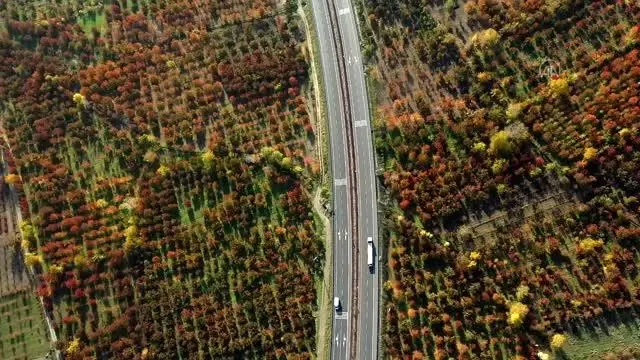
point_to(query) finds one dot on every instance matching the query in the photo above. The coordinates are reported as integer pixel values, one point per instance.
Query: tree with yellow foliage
(79, 99)
(625, 133)
(132, 240)
(163, 171)
(27, 230)
(207, 158)
(499, 166)
(501, 144)
(558, 341)
(32, 259)
(517, 313)
(588, 246)
(559, 86)
(479, 147)
(485, 38)
(81, 261)
(12, 179)
(522, 292)
(101, 203)
(589, 154)
(55, 270)
(73, 347)
(148, 139)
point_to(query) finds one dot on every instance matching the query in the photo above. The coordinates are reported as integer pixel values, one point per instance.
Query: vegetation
(508, 130)
(162, 153)
(158, 225)
(608, 342)
(23, 332)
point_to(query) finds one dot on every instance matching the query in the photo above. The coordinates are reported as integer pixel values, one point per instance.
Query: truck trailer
(370, 252)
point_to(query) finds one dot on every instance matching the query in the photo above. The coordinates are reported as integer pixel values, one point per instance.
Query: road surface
(357, 106)
(365, 169)
(340, 339)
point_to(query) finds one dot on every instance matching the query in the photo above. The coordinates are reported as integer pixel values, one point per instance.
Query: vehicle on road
(336, 303)
(370, 252)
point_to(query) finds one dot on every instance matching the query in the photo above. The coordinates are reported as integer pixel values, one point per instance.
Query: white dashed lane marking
(361, 123)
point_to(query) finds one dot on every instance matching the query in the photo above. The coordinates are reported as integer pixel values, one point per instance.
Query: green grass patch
(23, 333)
(92, 20)
(595, 344)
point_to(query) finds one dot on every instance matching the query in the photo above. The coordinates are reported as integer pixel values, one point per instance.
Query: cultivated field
(23, 333)
(164, 155)
(484, 111)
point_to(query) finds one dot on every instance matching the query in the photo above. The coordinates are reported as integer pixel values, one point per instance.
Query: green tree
(501, 144)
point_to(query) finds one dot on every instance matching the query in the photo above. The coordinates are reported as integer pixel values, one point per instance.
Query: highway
(354, 187)
(340, 339)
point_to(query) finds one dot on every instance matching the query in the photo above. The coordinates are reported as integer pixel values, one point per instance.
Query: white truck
(370, 252)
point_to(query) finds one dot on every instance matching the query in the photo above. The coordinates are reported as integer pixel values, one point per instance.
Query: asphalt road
(367, 324)
(340, 339)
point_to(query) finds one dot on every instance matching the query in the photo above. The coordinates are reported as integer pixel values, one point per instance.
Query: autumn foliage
(508, 131)
(159, 231)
